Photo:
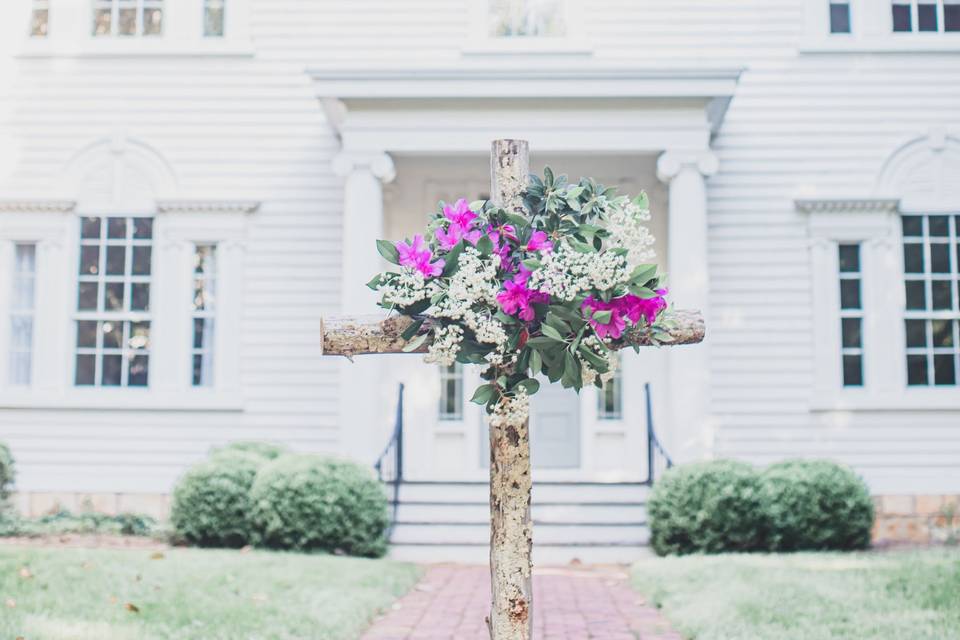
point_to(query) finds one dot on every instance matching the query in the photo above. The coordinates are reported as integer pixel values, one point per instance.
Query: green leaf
(415, 344)
(571, 372)
(530, 385)
(642, 200)
(374, 282)
(485, 246)
(550, 332)
(558, 324)
(535, 361)
(547, 176)
(452, 259)
(603, 317)
(541, 343)
(477, 205)
(483, 394)
(598, 363)
(532, 263)
(389, 251)
(411, 331)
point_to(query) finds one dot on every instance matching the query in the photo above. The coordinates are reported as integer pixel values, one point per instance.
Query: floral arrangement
(555, 292)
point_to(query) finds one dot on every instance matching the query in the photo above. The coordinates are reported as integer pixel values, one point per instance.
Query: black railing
(658, 460)
(389, 465)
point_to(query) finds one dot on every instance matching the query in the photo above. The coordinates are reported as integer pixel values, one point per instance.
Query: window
(39, 18)
(451, 392)
(925, 16)
(931, 265)
(213, 18)
(839, 17)
(610, 398)
(21, 313)
(851, 315)
(113, 302)
(526, 18)
(127, 17)
(204, 301)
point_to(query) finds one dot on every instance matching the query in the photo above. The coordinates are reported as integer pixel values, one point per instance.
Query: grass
(54, 594)
(808, 596)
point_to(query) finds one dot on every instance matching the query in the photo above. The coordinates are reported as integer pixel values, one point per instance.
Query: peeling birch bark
(357, 335)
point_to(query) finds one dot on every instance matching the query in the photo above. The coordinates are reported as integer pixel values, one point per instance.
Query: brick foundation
(920, 519)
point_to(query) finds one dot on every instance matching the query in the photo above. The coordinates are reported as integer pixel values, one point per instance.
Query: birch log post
(511, 529)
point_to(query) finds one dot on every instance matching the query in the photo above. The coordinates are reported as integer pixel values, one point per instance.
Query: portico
(428, 129)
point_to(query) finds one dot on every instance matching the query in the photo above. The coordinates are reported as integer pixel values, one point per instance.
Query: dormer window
(127, 18)
(925, 16)
(839, 17)
(527, 18)
(39, 18)
(213, 18)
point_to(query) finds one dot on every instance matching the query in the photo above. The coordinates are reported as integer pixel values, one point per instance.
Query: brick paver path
(570, 603)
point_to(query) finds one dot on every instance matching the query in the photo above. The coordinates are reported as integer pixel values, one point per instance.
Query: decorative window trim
(480, 43)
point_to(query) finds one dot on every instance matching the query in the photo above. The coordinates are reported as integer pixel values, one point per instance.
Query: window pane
(839, 17)
(117, 228)
(87, 298)
(152, 22)
(916, 295)
(943, 369)
(912, 226)
(913, 257)
(140, 296)
(101, 27)
(927, 16)
(139, 335)
(127, 23)
(20, 368)
(213, 18)
(951, 15)
(89, 260)
(90, 228)
(112, 335)
(38, 23)
(939, 226)
(849, 257)
(142, 228)
(852, 371)
(901, 17)
(942, 333)
(941, 291)
(939, 258)
(512, 18)
(21, 333)
(197, 369)
(113, 300)
(141, 260)
(916, 370)
(87, 334)
(851, 332)
(86, 370)
(116, 260)
(849, 294)
(916, 333)
(139, 369)
(112, 374)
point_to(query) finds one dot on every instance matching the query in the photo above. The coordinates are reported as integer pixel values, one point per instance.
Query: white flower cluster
(408, 287)
(445, 346)
(474, 283)
(587, 373)
(566, 272)
(625, 222)
(511, 412)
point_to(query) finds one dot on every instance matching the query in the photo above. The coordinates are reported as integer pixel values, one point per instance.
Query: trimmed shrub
(266, 450)
(816, 504)
(310, 502)
(211, 502)
(7, 473)
(707, 507)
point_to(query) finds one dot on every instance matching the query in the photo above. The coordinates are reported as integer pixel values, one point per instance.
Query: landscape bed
(879, 595)
(148, 594)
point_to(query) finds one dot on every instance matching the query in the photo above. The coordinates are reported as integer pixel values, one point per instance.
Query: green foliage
(265, 450)
(63, 522)
(816, 505)
(707, 507)
(211, 502)
(308, 502)
(7, 472)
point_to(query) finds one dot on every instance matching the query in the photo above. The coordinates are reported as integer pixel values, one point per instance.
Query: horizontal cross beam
(357, 335)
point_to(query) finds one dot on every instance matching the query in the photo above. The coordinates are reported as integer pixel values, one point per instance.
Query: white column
(690, 432)
(364, 412)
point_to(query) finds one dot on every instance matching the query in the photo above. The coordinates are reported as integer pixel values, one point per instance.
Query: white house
(188, 186)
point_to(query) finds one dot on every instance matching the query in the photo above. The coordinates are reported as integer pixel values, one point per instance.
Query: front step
(592, 522)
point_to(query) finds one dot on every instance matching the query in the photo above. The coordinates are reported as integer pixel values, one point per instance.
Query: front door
(555, 428)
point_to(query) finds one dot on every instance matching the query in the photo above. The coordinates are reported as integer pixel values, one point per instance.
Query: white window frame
(871, 30)
(852, 313)
(27, 313)
(875, 225)
(139, 6)
(915, 19)
(204, 282)
(457, 377)
(616, 383)
(480, 42)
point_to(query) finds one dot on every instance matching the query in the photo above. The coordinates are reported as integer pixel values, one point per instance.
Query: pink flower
(516, 297)
(613, 327)
(499, 237)
(416, 256)
(460, 213)
(635, 307)
(449, 238)
(523, 274)
(539, 242)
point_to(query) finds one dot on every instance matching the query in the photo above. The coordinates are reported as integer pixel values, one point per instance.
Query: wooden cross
(511, 535)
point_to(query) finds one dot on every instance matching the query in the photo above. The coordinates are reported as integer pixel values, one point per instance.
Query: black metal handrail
(389, 465)
(654, 446)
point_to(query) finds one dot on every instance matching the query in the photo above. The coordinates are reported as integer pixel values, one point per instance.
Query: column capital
(671, 163)
(378, 163)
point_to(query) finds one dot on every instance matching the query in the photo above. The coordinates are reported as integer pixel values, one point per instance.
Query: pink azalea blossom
(451, 236)
(523, 274)
(460, 214)
(499, 236)
(635, 307)
(539, 242)
(416, 256)
(614, 327)
(518, 298)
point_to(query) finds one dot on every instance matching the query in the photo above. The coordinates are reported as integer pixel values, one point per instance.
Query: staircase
(591, 522)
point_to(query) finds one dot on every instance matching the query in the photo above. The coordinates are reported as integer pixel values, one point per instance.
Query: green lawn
(186, 594)
(902, 595)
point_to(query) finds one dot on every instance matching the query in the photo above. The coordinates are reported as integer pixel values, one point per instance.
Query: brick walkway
(570, 603)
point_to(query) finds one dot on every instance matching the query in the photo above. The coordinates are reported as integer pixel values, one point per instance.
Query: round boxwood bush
(266, 450)
(6, 471)
(211, 502)
(816, 504)
(309, 502)
(707, 507)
